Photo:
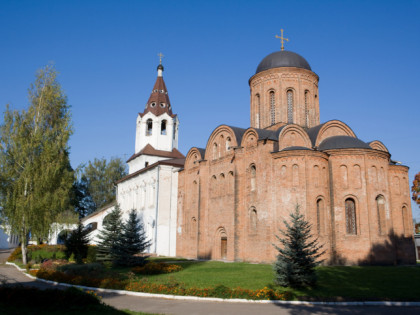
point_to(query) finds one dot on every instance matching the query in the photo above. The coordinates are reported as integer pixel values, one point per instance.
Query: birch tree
(35, 172)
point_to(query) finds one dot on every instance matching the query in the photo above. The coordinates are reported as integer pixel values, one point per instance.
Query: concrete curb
(196, 298)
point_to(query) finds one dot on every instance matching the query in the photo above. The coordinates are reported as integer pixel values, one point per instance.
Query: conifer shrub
(298, 254)
(109, 235)
(76, 244)
(131, 242)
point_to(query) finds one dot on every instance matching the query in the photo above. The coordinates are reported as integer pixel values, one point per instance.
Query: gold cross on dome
(160, 57)
(282, 39)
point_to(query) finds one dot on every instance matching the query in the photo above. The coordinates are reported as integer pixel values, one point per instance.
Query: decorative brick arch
(250, 138)
(333, 128)
(193, 157)
(221, 244)
(215, 138)
(378, 145)
(292, 136)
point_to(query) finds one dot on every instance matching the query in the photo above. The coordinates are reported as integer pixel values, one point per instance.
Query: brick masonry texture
(233, 199)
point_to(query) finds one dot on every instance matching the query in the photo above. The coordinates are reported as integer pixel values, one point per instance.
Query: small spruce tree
(132, 241)
(77, 244)
(298, 255)
(109, 235)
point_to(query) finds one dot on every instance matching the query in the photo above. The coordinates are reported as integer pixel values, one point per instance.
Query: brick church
(234, 194)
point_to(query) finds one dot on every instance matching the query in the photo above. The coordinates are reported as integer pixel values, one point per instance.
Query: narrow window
(214, 151)
(174, 131)
(320, 211)
(149, 127)
(351, 227)
(306, 108)
(253, 221)
(290, 106)
(163, 127)
(257, 111)
(146, 164)
(380, 206)
(193, 229)
(406, 221)
(253, 177)
(228, 144)
(273, 107)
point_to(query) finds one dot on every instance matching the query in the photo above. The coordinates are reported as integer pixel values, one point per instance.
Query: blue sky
(365, 52)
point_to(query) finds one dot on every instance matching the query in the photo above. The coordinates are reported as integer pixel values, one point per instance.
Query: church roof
(158, 102)
(239, 132)
(177, 162)
(283, 58)
(149, 150)
(202, 152)
(266, 134)
(342, 142)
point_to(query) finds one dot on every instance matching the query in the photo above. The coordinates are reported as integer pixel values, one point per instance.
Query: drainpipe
(157, 207)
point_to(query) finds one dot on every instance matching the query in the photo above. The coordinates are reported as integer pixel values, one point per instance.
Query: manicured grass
(351, 283)
(212, 273)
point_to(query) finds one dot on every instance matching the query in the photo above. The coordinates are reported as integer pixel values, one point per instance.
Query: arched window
(351, 225)
(163, 127)
(149, 126)
(214, 151)
(380, 206)
(406, 221)
(306, 108)
(290, 106)
(253, 171)
(193, 228)
(257, 110)
(253, 219)
(228, 141)
(273, 107)
(320, 212)
(295, 174)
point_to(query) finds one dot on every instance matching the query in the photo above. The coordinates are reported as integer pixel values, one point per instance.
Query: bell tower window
(149, 127)
(273, 107)
(290, 106)
(163, 127)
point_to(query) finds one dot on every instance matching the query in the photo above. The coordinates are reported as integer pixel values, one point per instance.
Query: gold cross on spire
(160, 57)
(282, 39)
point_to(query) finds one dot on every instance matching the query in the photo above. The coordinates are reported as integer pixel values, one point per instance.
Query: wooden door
(223, 247)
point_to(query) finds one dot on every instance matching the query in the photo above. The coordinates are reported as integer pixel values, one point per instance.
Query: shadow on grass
(25, 300)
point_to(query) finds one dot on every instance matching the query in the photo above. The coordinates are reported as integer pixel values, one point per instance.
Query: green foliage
(108, 236)
(77, 244)
(35, 172)
(132, 241)
(95, 186)
(298, 256)
(91, 254)
(37, 253)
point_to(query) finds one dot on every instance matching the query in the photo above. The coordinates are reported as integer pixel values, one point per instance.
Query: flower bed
(172, 287)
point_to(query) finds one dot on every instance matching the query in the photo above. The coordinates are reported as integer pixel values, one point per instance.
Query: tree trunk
(24, 250)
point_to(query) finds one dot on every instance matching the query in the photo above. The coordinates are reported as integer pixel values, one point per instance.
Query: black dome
(283, 58)
(342, 142)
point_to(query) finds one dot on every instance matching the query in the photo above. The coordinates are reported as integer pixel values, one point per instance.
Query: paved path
(166, 306)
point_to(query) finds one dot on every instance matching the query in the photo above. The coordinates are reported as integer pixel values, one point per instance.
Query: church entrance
(223, 247)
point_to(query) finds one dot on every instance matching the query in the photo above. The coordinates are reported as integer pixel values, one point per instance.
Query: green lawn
(366, 283)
